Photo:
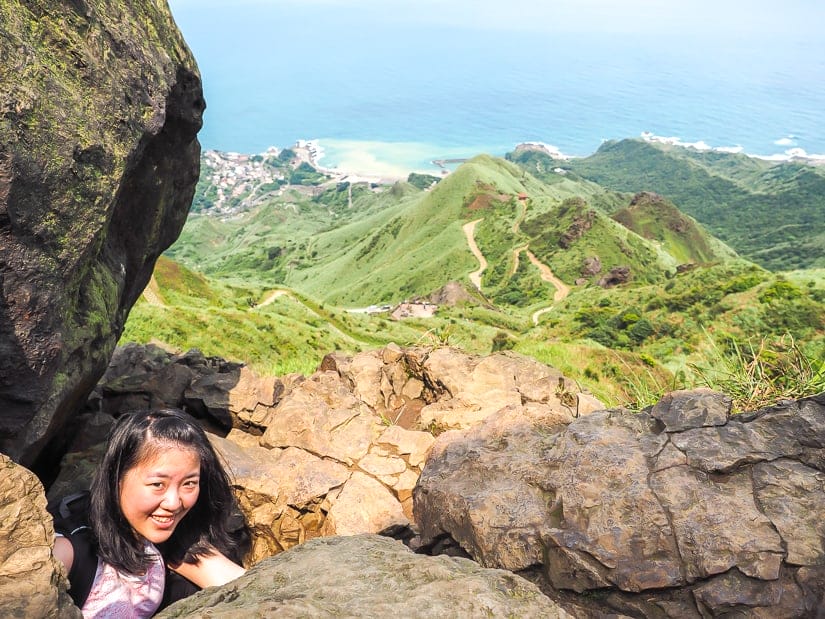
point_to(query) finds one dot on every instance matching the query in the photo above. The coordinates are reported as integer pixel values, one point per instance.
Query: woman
(160, 499)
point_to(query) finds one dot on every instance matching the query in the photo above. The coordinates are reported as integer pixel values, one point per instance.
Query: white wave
(700, 145)
(792, 154)
(786, 141)
(551, 150)
(735, 150)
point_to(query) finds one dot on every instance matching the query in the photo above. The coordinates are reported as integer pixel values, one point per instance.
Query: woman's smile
(157, 493)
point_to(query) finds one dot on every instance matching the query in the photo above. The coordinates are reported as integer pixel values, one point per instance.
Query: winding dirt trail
(150, 293)
(271, 298)
(546, 273)
(562, 289)
(520, 218)
(516, 253)
(469, 232)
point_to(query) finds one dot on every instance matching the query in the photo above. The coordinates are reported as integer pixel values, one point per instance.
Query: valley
(562, 260)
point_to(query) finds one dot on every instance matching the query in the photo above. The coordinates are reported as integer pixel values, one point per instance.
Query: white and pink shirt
(116, 595)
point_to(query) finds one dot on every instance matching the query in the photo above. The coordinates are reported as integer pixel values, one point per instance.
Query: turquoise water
(377, 87)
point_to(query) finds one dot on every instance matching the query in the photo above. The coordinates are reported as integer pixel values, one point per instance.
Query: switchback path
(562, 289)
(469, 232)
(520, 218)
(516, 253)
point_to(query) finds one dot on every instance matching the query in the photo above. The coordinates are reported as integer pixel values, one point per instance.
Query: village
(241, 181)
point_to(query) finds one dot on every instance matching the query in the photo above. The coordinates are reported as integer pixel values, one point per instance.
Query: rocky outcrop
(592, 265)
(368, 576)
(100, 104)
(679, 511)
(618, 275)
(451, 294)
(32, 583)
(581, 223)
(338, 452)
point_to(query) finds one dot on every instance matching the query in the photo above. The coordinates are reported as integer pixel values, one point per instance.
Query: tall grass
(760, 373)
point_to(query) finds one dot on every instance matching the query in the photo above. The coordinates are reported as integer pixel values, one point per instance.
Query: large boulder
(32, 582)
(368, 576)
(680, 511)
(100, 105)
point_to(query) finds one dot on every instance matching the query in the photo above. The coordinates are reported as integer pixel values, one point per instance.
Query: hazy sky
(789, 18)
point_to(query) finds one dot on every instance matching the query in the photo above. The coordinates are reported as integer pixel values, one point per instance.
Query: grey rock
(682, 410)
(368, 576)
(101, 104)
(678, 512)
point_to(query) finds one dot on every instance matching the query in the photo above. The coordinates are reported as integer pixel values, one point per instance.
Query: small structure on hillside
(414, 309)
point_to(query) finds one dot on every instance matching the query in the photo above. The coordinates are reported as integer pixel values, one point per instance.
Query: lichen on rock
(100, 105)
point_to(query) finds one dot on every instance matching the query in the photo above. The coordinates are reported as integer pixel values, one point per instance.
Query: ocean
(388, 87)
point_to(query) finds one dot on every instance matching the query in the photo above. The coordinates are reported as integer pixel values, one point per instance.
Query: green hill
(657, 219)
(401, 242)
(646, 299)
(768, 212)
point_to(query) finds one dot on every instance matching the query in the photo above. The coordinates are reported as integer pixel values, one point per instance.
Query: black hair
(207, 526)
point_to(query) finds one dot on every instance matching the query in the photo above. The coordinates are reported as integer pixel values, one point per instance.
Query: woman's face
(158, 492)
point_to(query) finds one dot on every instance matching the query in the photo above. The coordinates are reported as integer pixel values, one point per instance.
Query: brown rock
(481, 386)
(324, 418)
(591, 265)
(284, 494)
(618, 275)
(32, 582)
(412, 445)
(364, 505)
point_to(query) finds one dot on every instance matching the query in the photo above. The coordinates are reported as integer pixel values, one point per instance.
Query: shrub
(640, 330)
(742, 283)
(780, 289)
(502, 341)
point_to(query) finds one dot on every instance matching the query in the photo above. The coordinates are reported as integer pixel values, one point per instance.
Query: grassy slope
(769, 213)
(623, 344)
(658, 220)
(400, 242)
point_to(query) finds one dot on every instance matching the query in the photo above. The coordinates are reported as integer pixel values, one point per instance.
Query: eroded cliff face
(100, 105)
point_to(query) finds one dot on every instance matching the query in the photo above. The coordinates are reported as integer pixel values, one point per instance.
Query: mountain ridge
(735, 196)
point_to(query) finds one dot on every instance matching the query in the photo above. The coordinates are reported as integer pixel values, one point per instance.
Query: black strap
(84, 565)
(71, 519)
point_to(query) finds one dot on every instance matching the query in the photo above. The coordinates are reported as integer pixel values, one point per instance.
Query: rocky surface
(680, 511)
(100, 105)
(618, 275)
(32, 583)
(368, 576)
(338, 452)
